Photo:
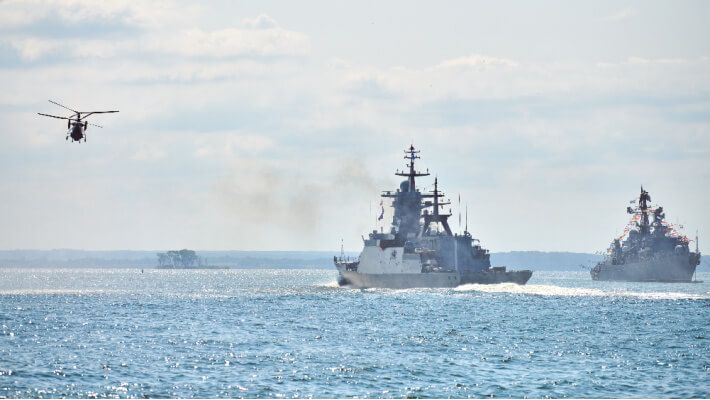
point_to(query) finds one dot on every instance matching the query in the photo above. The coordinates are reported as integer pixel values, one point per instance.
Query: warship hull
(675, 268)
(358, 280)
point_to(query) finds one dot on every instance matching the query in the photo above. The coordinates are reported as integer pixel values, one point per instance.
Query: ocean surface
(294, 333)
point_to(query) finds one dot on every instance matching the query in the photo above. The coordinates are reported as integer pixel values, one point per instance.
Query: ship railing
(346, 260)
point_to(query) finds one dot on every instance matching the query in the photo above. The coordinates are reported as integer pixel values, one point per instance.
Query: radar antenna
(411, 154)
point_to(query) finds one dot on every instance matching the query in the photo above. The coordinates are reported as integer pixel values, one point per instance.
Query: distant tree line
(178, 259)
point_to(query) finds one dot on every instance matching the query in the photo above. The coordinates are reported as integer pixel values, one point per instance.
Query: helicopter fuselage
(76, 131)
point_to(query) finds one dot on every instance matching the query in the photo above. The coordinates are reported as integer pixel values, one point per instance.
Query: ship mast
(407, 199)
(435, 215)
(411, 154)
(644, 198)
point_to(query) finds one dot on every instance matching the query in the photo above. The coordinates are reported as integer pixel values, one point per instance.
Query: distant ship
(650, 249)
(420, 249)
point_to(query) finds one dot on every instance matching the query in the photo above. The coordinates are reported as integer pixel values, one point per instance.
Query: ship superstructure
(649, 249)
(420, 249)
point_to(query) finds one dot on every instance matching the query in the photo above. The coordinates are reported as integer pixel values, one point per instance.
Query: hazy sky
(275, 125)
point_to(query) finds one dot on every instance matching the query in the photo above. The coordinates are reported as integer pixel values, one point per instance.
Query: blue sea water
(294, 333)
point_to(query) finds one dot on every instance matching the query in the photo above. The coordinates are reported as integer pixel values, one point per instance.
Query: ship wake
(561, 291)
(329, 284)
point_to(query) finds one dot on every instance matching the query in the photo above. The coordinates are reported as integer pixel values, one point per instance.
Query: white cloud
(153, 14)
(229, 144)
(477, 61)
(483, 77)
(269, 40)
(232, 42)
(620, 15)
(149, 152)
(370, 85)
(197, 71)
(15, 14)
(31, 49)
(263, 21)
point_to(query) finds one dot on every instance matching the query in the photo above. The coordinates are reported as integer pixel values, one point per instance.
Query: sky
(275, 125)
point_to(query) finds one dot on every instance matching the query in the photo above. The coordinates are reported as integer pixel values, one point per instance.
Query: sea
(278, 333)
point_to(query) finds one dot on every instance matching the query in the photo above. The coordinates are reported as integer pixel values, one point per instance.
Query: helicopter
(76, 129)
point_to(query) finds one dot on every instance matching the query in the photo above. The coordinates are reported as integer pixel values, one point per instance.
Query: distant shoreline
(535, 260)
(201, 267)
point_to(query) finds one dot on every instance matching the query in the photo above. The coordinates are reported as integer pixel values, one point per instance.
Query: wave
(331, 284)
(562, 291)
(73, 292)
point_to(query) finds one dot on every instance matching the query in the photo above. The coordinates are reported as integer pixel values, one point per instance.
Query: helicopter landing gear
(66, 138)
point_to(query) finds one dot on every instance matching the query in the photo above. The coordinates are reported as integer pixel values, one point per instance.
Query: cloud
(232, 42)
(263, 21)
(478, 61)
(230, 144)
(31, 49)
(149, 152)
(481, 77)
(262, 38)
(621, 15)
(370, 86)
(23, 14)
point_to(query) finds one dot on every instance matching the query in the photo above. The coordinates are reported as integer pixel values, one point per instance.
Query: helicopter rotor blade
(54, 102)
(97, 112)
(54, 116)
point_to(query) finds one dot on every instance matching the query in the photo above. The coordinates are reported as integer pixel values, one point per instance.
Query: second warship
(650, 249)
(420, 250)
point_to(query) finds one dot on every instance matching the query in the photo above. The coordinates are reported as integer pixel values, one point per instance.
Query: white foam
(73, 292)
(551, 290)
(667, 295)
(331, 284)
(542, 290)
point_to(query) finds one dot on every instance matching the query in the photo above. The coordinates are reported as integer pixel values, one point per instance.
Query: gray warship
(649, 250)
(420, 250)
